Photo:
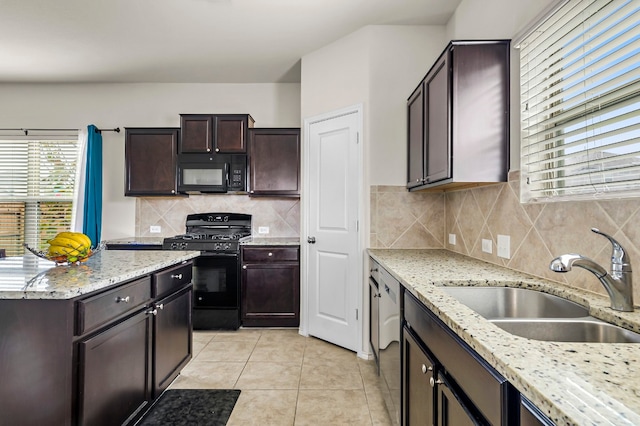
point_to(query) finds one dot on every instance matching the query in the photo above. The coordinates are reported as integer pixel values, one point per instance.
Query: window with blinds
(580, 94)
(37, 180)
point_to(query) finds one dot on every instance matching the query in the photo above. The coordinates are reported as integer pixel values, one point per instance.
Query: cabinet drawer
(97, 310)
(270, 254)
(172, 278)
(484, 386)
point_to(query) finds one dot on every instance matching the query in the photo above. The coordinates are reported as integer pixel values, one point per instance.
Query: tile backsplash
(281, 215)
(538, 232)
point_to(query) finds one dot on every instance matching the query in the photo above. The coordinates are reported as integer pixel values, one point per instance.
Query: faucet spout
(565, 262)
(618, 283)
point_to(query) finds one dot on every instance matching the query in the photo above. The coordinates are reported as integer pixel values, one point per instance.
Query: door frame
(357, 109)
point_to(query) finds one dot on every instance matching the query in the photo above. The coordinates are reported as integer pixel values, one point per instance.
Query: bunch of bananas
(69, 246)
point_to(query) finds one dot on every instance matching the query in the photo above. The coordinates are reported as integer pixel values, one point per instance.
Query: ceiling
(185, 41)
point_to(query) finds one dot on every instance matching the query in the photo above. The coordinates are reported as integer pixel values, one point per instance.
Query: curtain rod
(26, 131)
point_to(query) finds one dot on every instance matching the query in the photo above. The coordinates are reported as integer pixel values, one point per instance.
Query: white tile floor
(285, 378)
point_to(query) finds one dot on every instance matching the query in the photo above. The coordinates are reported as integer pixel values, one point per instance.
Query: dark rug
(192, 407)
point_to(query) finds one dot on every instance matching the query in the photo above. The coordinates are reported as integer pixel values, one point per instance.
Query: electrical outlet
(504, 246)
(452, 239)
(155, 229)
(487, 246)
(263, 230)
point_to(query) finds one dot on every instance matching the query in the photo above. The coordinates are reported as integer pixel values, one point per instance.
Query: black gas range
(216, 271)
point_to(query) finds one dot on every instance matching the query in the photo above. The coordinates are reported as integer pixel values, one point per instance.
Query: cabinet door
(196, 133)
(437, 121)
(416, 138)
(270, 295)
(530, 415)
(230, 133)
(451, 411)
(114, 378)
(173, 338)
(417, 373)
(150, 161)
(274, 162)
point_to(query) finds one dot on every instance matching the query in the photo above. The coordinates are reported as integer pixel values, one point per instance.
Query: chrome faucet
(617, 283)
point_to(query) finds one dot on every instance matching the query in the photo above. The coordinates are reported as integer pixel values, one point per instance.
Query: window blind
(580, 95)
(37, 179)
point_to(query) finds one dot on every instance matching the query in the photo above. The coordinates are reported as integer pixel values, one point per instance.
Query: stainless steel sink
(588, 330)
(507, 302)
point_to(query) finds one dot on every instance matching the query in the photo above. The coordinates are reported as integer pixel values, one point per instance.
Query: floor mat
(192, 407)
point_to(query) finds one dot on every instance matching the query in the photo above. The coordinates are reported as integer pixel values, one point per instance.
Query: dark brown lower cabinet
(114, 381)
(451, 410)
(459, 387)
(173, 338)
(99, 359)
(418, 370)
(270, 286)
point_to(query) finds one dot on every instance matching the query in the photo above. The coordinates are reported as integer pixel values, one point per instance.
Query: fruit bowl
(63, 260)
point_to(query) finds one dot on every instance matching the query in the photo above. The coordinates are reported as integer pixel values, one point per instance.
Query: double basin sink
(539, 316)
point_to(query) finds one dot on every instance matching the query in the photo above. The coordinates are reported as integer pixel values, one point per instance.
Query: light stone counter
(270, 241)
(30, 277)
(573, 383)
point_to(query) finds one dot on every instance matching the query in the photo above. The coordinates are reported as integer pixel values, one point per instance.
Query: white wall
(498, 19)
(138, 105)
(400, 56)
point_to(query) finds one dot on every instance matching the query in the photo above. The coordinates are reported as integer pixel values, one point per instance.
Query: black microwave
(211, 173)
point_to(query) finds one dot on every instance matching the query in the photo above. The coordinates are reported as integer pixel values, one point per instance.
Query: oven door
(215, 280)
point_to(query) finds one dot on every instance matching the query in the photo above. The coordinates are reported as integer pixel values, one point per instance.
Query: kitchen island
(571, 383)
(93, 343)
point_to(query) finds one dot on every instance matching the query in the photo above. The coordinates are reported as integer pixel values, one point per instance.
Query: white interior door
(332, 209)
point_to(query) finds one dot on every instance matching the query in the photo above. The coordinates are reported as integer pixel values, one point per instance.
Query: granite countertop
(573, 383)
(30, 277)
(136, 241)
(270, 241)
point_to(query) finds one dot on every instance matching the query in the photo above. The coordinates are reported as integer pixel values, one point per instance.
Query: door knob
(311, 240)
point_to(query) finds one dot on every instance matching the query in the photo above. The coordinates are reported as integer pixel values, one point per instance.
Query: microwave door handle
(226, 172)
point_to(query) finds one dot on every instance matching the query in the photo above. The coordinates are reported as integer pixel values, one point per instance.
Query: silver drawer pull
(244, 266)
(160, 306)
(177, 276)
(152, 312)
(121, 299)
(270, 254)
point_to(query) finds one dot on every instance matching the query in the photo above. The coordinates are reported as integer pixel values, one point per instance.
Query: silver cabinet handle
(160, 306)
(433, 382)
(244, 266)
(270, 254)
(152, 312)
(121, 299)
(177, 276)
(311, 240)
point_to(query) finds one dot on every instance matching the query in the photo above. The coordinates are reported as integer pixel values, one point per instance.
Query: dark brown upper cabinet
(219, 133)
(274, 162)
(458, 118)
(150, 161)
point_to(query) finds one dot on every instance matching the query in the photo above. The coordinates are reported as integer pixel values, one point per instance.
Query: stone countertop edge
(104, 269)
(572, 383)
(133, 241)
(270, 241)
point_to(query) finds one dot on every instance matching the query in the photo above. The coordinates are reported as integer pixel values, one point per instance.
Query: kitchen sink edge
(572, 383)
